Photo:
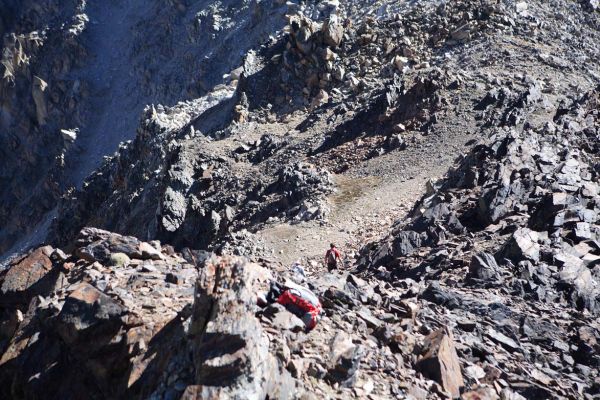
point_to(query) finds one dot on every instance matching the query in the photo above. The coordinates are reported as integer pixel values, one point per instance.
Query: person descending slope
(332, 256)
(297, 299)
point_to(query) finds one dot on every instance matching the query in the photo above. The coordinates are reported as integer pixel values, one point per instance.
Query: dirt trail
(374, 194)
(361, 208)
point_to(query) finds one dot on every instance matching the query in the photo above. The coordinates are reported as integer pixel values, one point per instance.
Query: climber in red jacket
(298, 300)
(332, 257)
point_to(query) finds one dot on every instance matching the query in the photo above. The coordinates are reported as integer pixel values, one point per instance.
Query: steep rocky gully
(162, 161)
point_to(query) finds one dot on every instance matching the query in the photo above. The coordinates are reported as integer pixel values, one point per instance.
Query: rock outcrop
(81, 326)
(231, 351)
(92, 69)
(85, 328)
(508, 236)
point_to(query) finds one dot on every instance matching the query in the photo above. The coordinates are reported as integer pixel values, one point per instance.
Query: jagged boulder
(72, 327)
(333, 31)
(439, 361)
(583, 290)
(344, 360)
(523, 245)
(484, 266)
(100, 245)
(231, 350)
(89, 317)
(27, 277)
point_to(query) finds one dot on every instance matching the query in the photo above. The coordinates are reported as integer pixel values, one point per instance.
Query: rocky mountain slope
(450, 148)
(68, 74)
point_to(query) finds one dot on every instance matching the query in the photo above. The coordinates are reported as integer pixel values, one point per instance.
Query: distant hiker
(332, 256)
(297, 299)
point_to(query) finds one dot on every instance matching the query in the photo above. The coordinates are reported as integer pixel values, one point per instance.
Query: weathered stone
(38, 89)
(321, 98)
(474, 372)
(147, 251)
(29, 276)
(439, 361)
(58, 255)
(89, 317)
(435, 294)
(582, 231)
(400, 63)
(98, 245)
(231, 349)
(287, 321)
(500, 338)
(461, 34)
(522, 245)
(483, 266)
(405, 309)
(365, 315)
(9, 323)
(296, 367)
(335, 297)
(344, 360)
(407, 242)
(466, 325)
(176, 279)
(480, 394)
(507, 394)
(582, 287)
(333, 31)
(316, 370)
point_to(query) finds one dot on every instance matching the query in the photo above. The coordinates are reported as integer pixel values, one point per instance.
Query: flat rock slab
(503, 340)
(439, 361)
(98, 245)
(21, 279)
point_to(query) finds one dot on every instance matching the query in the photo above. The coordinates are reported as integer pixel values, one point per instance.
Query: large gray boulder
(523, 245)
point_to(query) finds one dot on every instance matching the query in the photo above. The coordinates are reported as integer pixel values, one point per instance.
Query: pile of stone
(311, 56)
(355, 54)
(530, 199)
(512, 234)
(104, 321)
(305, 187)
(122, 318)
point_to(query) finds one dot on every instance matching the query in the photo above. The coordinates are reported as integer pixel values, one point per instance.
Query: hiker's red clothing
(336, 253)
(331, 258)
(301, 307)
